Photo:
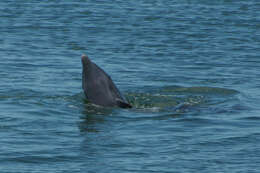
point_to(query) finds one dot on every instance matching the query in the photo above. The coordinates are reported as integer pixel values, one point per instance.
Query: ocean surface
(190, 68)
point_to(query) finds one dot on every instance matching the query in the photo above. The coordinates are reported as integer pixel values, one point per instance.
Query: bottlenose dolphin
(99, 87)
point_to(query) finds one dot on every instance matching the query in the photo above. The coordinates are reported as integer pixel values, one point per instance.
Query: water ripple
(189, 68)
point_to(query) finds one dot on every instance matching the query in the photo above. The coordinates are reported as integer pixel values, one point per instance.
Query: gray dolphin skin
(99, 87)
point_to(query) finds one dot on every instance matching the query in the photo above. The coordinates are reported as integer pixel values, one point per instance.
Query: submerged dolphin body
(99, 87)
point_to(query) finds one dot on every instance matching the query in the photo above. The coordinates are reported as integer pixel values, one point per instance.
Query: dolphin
(98, 86)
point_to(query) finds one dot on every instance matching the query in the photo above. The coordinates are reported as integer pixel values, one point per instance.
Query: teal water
(189, 68)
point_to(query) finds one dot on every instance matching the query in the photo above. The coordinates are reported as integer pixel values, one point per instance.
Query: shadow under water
(171, 99)
(160, 104)
(179, 99)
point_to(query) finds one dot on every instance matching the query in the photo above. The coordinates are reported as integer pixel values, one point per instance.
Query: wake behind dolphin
(99, 87)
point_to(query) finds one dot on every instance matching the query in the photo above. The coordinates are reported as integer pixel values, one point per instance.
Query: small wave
(251, 118)
(199, 90)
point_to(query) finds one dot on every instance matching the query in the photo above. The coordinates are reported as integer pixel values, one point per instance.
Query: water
(189, 68)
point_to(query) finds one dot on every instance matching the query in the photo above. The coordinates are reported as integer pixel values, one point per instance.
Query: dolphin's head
(85, 61)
